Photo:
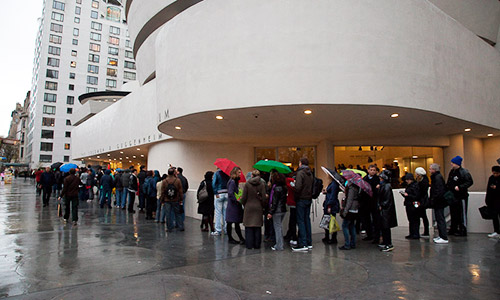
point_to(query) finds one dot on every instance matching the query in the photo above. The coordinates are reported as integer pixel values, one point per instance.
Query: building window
(129, 54)
(73, 64)
(69, 110)
(56, 27)
(130, 65)
(91, 90)
(78, 10)
(66, 158)
(94, 14)
(75, 42)
(114, 30)
(111, 72)
(77, 20)
(94, 58)
(96, 26)
(127, 44)
(95, 36)
(93, 69)
(55, 39)
(54, 50)
(45, 158)
(114, 40)
(46, 146)
(57, 17)
(49, 109)
(58, 5)
(70, 100)
(76, 32)
(48, 122)
(67, 146)
(52, 74)
(95, 4)
(49, 97)
(72, 75)
(68, 134)
(129, 75)
(71, 87)
(49, 85)
(113, 51)
(113, 62)
(95, 47)
(74, 53)
(92, 80)
(68, 122)
(78, 1)
(53, 62)
(110, 83)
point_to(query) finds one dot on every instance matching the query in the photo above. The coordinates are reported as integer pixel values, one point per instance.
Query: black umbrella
(56, 165)
(339, 179)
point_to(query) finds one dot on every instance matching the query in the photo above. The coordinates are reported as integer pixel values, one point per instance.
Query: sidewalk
(114, 255)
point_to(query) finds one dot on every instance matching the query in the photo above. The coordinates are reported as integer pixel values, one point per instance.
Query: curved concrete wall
(223, 55)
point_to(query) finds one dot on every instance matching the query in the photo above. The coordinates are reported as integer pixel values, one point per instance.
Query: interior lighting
(129, 161)
(138, 149)
(98, 157)
(142, 155)
(219, 117)
(121, 158)
(394, 115)
(467, 129)
(109, 154)
(134, 156)
(121, 152)
(414, 156)
(126, 157)
(490, 134)
(114, 158)
(178, 127)
(308, 111)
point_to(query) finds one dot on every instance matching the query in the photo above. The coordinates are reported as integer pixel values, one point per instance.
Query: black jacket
(423, 191)
(388, 217)
(278, 204)
(184, 182)
(372, 201)
(304, 184)
(118, 181)
(413, 194)
(47, 180)
(459, 177)
(438, 188)
(133, 183)
(493, 194)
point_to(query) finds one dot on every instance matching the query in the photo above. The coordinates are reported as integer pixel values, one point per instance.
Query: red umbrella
(227, 166)
(358, 180)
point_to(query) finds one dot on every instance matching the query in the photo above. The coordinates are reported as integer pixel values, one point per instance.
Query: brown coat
(178, 185)
(254, 200)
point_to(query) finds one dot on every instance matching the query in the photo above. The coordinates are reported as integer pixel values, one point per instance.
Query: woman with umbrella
(277, 207)
(331, 206)
(234, 210)
(349, 211)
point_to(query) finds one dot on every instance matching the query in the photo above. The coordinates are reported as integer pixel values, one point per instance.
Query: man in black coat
(185, 187)
(493, 199)
(370, 210)
(459, 180)
(387, 207)
(412, 203)
(47, 181)
(438, 202)
(142, 195)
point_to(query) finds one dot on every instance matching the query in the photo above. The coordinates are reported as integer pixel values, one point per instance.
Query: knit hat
(420, 171)
(409, 176)
(385, 175)
(457, 160)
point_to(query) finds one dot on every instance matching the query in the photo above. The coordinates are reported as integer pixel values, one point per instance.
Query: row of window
(51, 122)
(48, 97)
(51, 110)
(48, 158)
(50, 146)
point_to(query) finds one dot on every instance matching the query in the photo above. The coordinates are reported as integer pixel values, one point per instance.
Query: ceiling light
(178, 127)
(138, 149)
(126, 157)
(394, 115)
(134, 156)
(114, 158)
(129, 161)
(467, 129)
(142, 155)
(98, 156)
(308, 111)
(219, 117)
(109, 154)
(121, 152)
(490, 134)
(395, 160)
(415, 156)
(121, 158)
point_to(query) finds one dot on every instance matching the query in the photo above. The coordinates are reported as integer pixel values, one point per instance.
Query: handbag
(486, 213)
(202, 194)
(325, 222)
(59, 209)
(334, 225)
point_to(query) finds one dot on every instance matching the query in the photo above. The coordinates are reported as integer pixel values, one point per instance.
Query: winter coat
(133, 183)
(372, 201)
(290, 198)
(206, 207)
(459, 177)
(125, 179)
(58, 177)
(493, 195)
(278, 199)
(254, 201)
(351, 202)
(158, 189)
(38, 175)
(219, 183)
(118, 182)
(47, 179)
(332, 198)
(304, 183)
(178, 186)
(388, 217)
(423, 191)
(142, 178)
(438, 188)
(413, 194)
(107, 181)
(184, 183)
(234, 210)
(70, 187)
(150, 187)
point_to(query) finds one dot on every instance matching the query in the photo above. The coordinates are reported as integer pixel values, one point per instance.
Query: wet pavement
(114, 255)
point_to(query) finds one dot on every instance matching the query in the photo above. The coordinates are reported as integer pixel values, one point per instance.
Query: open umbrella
(335, 176)
(361, 173)
(56, 165)
(268, 165)
(358, 180)
(66, 167)
(226, 166)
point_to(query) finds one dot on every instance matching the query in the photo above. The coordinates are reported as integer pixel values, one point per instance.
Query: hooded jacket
(254, 200)
(304, 183)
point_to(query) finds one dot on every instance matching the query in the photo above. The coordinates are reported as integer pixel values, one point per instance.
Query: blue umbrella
(66, 167)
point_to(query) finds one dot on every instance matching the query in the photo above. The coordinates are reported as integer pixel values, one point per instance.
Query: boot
(326, 239)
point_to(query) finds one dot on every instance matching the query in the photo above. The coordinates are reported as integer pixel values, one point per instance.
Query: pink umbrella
(356, 179)
(227, 166)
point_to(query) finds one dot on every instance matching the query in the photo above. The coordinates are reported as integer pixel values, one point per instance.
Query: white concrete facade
(260, 64)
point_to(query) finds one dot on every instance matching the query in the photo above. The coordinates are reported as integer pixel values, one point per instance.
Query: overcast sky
(18, 28)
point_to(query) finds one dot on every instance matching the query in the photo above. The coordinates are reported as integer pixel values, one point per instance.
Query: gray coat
(254, 200)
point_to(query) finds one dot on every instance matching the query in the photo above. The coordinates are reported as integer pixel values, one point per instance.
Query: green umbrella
(361, 173)
(268, 165)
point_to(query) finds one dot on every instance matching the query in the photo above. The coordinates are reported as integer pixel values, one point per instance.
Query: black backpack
(171, 191)
(317, 187)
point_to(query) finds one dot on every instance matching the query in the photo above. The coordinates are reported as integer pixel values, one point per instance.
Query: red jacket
(290, 198)
(38, 175)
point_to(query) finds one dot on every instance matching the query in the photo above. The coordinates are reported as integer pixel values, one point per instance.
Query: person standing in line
(133, 186)
(97, 178)
(160, 207)
(459, 181)
(89, 185)
(83, 193)
(387, 208)
(277, 208)
(493, 200)
(38, 178)
(70, 194)
(58, 182)
(234, 211)
(349, 212)
(438, 202)
(172, 196)
(303, 198)
(150, 194)
(185, 187)
(47, 181)
(254, 201)
(412, 204)
(142, 194)
(373, 213)
(106, 189)
(292, 220)
(423, 196)
(206, 206)
(125, 179)
(219, 185)
(331, 206)
(119, 188)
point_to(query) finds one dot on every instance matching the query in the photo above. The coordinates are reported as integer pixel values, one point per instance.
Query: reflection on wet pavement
(114, 255)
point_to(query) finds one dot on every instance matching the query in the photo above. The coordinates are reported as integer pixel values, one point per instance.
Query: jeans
(253, 237)
(142, 198)
(160, 212)
(73, 201)
(349, 229)
(304, 222)
(441, 223)
(123, 202)
(105, 195)
(220, 212)
(150, 206)
(292, 224)
(169, 206)
(278, 229)
(183, 202)
(119, 196)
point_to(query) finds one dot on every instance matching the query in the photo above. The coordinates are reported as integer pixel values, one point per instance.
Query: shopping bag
(334, 225)
(486, 213)
(325, 222)
(59, 209)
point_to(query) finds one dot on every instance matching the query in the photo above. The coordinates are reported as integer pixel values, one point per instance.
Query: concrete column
(474, 162)
(455, 148)
(324, 157)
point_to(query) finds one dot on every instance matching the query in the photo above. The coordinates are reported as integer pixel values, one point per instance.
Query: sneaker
(75, 223)
(381, 246)
(363, 231)
(440, 241)
(293, 243)
(273, 248)
(300, 249)
(436, 238)
(215, 233)
(65, 221)
(493, 235)
(310, 247)
(387, 248)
